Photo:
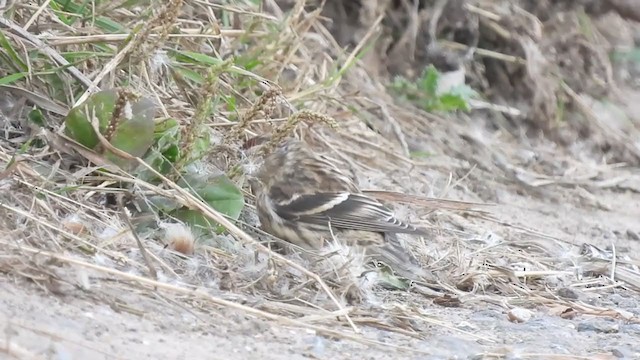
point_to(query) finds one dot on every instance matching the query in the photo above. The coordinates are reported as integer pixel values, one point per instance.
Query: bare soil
(554, 194)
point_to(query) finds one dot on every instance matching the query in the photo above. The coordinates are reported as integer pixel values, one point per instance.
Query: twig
(124, 214)
(613, 261)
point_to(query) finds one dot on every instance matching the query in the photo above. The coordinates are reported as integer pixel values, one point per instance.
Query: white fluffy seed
(179, 237)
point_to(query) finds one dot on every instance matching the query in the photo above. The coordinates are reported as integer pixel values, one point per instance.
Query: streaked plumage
(299, 193)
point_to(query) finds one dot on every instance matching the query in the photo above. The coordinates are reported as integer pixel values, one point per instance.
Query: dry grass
(271, 71)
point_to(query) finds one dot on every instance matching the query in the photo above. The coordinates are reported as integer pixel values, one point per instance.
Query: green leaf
(16, 61)
(194, 57)
(172, 153)
(82, 56)
(10, 79)
(37, 117)
(452, 102)
(164, 204)
(420, 154)
(218, 192)
(231, 103)
(134, 134)
(201, 146)
(78, 121)
(429, 80)
(165, 150)
(60, 12)
(61, 7)
(196, 220)
(189, 74)
(388, 278)
(223, 195)
(249, 63)
(166, 135)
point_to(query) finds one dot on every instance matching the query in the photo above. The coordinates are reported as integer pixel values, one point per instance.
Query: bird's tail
(393, 254)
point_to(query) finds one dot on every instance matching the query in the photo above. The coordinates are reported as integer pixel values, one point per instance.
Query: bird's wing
(342, 210)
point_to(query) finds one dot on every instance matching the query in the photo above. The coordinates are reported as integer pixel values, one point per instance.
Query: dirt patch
(532, 217)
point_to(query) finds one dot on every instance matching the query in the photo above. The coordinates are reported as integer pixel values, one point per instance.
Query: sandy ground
(75, 326)
(111, 320)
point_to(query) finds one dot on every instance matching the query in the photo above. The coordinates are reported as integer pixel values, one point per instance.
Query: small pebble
(600, 326)
(519, 315)
(617, 353)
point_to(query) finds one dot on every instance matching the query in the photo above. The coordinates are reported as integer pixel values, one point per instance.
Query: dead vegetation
(295, 66)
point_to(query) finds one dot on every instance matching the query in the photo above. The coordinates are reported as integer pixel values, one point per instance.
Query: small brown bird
(300, 195)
